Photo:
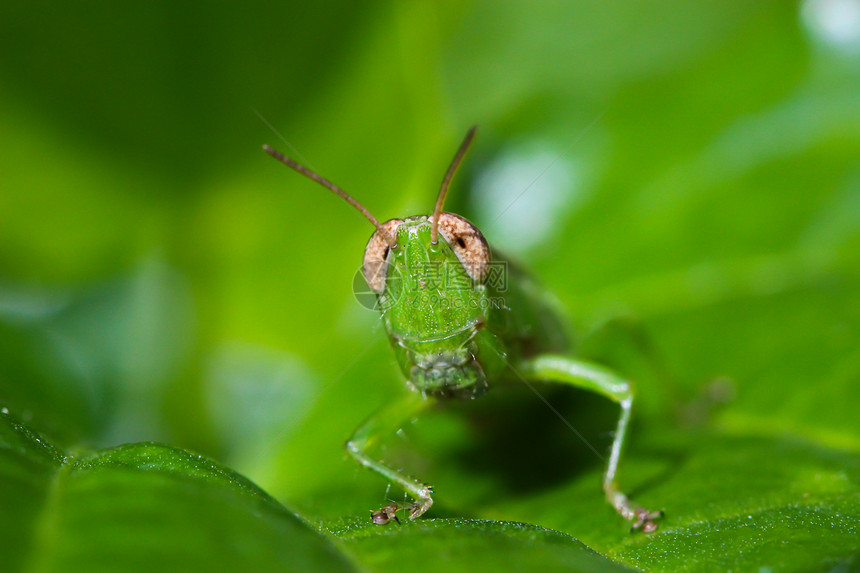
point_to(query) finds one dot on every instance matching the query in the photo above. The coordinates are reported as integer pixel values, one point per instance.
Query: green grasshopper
(455, 328)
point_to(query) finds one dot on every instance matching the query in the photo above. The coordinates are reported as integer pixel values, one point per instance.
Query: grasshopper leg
(567, 370)
(384, 423)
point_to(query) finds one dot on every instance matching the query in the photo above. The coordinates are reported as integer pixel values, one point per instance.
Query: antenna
(328, 185)
(455, 163)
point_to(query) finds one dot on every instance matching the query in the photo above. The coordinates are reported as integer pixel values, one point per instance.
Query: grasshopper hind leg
(567, 370)
(642, 518)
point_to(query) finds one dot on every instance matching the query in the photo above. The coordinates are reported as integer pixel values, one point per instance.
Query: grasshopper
(457, 329)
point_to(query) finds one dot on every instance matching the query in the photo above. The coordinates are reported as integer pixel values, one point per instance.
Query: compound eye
(375, 265)
(468, 244)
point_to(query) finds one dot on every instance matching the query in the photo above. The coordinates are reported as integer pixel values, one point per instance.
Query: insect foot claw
(389, 512)
(645, 520)
(386, 514)
(419, 507)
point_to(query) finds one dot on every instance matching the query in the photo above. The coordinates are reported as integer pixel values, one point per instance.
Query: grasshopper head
(433, 299)
(429, 274)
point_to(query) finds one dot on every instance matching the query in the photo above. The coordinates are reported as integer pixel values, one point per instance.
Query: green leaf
(142, 507)
(470, 545)
(733, 504)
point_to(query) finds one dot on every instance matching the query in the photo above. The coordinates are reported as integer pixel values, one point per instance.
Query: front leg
(567, 370)
(384, 423)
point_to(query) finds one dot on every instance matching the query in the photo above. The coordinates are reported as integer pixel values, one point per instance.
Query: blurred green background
(690, 170)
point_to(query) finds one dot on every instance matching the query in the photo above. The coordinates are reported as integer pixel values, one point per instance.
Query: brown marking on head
(468, 244)
(376, 254)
